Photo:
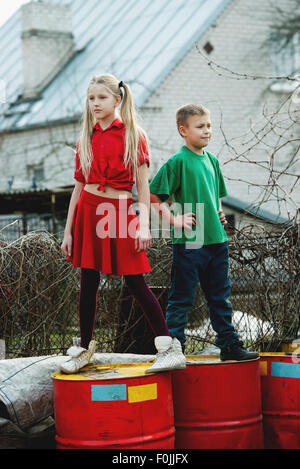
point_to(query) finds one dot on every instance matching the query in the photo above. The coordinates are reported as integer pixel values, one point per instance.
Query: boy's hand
(185, 221)
(143, 239)
(222, 217)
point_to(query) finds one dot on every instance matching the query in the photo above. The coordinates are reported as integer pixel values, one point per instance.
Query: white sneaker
(169, 356)
(79, 358)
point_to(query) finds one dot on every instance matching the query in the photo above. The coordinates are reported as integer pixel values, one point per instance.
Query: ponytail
(134, 134)
(84, 147)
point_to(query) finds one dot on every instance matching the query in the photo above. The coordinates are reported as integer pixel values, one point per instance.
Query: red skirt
(103, 232)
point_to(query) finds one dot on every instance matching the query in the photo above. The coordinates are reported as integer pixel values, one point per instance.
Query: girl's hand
(143, 239)
(222, 217)
(66, 245)
(185, 221)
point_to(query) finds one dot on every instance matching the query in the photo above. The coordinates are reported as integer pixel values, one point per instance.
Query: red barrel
(280, 387)
(217, 405)
(114, 406)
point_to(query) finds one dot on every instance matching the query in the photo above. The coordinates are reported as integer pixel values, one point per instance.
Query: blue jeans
(209, 266)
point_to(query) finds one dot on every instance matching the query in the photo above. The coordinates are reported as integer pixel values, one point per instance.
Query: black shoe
(237, 352)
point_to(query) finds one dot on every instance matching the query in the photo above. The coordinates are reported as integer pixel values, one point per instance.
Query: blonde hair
(187, 110)
(133, 135)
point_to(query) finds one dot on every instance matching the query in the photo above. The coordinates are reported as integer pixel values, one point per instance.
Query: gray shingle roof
(138, 41)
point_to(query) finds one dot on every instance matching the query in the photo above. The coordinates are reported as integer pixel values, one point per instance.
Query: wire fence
(39, 293)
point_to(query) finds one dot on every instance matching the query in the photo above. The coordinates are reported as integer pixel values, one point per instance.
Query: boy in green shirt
(200, 245)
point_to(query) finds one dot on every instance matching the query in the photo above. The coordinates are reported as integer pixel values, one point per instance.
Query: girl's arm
(66, 246)
(143, 240)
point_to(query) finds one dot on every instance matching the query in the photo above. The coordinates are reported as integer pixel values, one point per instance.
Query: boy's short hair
(187, 110)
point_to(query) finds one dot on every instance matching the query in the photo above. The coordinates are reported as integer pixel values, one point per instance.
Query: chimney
(47, 43)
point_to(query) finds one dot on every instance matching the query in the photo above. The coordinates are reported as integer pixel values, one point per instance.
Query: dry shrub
(39, 295)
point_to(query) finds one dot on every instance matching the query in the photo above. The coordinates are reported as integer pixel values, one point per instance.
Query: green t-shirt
(196, 184)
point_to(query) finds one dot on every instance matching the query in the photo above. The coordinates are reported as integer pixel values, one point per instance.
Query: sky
(7, 9)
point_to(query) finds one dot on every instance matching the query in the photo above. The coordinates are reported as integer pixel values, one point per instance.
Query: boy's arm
(221, 214)
(165, 184)
(179, 221)
(162, 208)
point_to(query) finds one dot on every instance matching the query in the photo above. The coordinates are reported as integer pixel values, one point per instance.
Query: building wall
(53, 147)
(240, 43)
(240, 38)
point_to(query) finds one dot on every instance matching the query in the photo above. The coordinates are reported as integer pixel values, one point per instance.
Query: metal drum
(217, 405)
(280, 386)
(114, 406)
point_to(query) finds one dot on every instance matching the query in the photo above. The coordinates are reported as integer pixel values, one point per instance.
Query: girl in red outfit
(103, 233)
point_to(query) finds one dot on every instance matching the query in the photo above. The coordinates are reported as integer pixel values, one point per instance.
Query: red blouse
(107, 167)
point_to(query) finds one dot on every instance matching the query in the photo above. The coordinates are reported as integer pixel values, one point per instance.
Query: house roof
(250, 209)
(139, 42)
(38, 200)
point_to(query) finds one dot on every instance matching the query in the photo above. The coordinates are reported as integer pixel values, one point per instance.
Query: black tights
(137, 286)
